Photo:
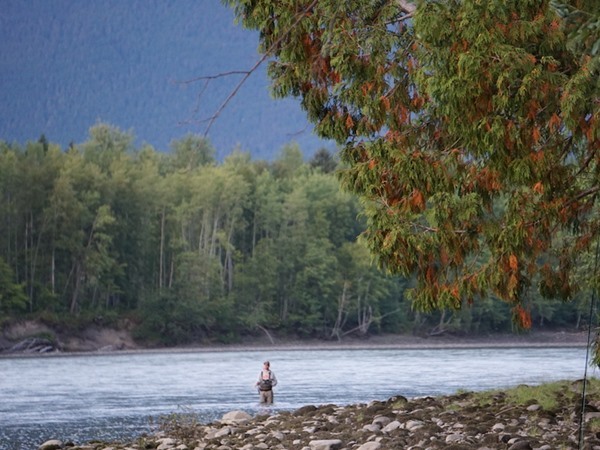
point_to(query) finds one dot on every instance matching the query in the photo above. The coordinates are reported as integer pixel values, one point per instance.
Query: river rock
(278, 435)
(520, 445)
(222, 432)
(382, 421)
(236, 417)
(370, 446)
(413, 425)
(373, 428)
(166, 443)
(394, 425)
(498, 427)
(455, 437)
(325, 444)
(53, 444)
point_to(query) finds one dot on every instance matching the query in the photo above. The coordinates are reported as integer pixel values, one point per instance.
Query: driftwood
(34, 345)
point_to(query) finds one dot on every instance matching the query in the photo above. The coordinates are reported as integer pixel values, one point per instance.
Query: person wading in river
(265, 384)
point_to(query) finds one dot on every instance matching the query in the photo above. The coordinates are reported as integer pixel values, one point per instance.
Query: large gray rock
(454, 438)
(394, 425)
(236, 417)
(325, 444)
(382, 421)
(413, 425)
(166, 443)
(53, 444)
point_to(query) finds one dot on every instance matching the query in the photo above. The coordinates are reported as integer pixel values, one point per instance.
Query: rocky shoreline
(478, 421)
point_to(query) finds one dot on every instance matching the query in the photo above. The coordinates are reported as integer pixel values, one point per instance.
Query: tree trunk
(53, 270)
(75, 295)
(161, 257)
(337, 327)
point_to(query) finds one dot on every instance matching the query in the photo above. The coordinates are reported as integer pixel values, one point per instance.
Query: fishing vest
(265, 385)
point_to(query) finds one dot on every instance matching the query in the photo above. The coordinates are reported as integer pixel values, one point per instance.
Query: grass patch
(548, 395)
(593, 426)
(180, 425)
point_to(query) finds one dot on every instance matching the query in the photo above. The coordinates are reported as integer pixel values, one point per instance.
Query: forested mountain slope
(66, 65)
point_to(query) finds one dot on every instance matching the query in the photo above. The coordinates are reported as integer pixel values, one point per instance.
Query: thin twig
(247, 73)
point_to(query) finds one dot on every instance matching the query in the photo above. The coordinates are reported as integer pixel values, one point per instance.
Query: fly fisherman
(265, 384)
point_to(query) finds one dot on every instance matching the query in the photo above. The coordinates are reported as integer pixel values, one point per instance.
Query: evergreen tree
(446, 110)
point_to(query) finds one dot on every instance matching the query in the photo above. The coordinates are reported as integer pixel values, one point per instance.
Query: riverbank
(543, 418)
(33, 338)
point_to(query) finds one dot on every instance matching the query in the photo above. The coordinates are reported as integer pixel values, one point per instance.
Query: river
(119, 396)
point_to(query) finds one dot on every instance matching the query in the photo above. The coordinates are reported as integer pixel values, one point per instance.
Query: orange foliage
(349, 122)
(554, 122)
(534, 107)
(535, 134)
(455, 293)
(418, 101)
(335, 76)
(488, 179)
(589, 129)
(513, 263)
(402, 112)
(386, 102)
(537, 156)
(366, 87)
(522, 317)
(417, 201)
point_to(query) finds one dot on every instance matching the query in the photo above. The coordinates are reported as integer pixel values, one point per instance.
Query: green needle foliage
(469, 130)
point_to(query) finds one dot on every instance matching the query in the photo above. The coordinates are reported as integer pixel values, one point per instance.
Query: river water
(119, 396)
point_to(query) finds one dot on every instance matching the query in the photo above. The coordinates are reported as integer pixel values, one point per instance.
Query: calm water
(119, 396)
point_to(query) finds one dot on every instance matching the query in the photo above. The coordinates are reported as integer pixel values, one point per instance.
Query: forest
(180, 248)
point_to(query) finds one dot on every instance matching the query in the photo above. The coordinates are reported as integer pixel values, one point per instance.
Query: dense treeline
(181, 248)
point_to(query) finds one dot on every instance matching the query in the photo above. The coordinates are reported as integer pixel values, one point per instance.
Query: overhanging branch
(246, 73)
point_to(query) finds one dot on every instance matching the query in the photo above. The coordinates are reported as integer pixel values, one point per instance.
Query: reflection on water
(116, 397)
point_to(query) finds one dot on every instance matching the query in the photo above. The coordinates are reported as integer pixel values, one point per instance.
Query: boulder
(394, 425)
(521, 445)
(413, 425)
(236, 417)
(166, 443)
(381, 420)
(53, 444)
(325, 444)
(455, 437)
(373, 428)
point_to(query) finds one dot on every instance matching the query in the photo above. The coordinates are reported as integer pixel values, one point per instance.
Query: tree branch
(246, 73)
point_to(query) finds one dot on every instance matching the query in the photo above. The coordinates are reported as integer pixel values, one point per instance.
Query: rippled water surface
(119, 396)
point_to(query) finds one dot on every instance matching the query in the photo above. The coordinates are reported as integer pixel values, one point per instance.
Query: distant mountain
(68, 64)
